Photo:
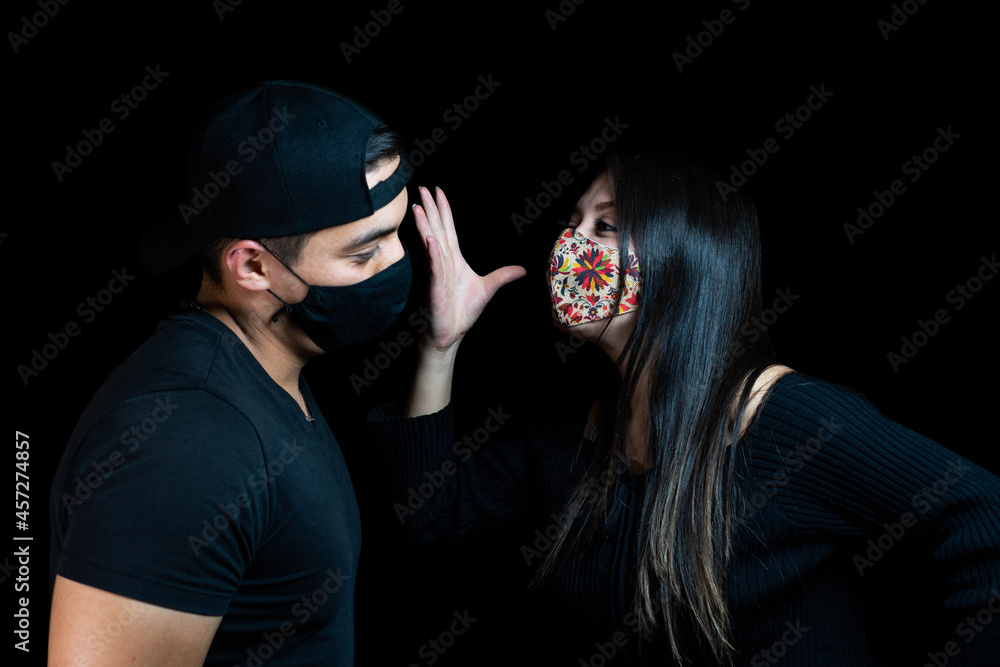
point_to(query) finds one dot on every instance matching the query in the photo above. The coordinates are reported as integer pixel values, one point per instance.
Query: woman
(718, 505)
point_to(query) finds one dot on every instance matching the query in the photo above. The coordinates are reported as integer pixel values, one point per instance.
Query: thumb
(494, 280)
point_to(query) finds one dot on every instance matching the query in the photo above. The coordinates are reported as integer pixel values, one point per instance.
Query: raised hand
(457, 295)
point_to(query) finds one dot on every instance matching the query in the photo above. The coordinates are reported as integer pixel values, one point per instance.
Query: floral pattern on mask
(583, 280)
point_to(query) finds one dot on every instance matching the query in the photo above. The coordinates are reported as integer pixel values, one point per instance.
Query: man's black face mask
(344, 315)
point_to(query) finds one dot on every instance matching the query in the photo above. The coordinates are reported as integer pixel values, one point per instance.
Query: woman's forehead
(598, 196)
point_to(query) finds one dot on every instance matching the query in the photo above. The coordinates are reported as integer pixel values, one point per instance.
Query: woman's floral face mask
(583, 280)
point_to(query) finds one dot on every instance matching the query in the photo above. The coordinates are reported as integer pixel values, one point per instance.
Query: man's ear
(248, 264)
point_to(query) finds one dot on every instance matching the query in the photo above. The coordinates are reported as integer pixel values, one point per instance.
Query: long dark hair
(699, 260)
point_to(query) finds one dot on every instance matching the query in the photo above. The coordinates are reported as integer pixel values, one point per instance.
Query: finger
(420, 220)
(424, 226)
(433, 215)
(434, 258)
(493, 281)
(447, 218)
(438, 289)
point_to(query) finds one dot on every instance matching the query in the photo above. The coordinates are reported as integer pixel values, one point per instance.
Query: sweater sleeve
(849, 470)
(445, 486)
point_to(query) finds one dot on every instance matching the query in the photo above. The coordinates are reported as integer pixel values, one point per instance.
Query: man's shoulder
(190, 350)
(185, 350)
(190, 362)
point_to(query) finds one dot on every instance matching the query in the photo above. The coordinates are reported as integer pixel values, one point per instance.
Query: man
(202, 512)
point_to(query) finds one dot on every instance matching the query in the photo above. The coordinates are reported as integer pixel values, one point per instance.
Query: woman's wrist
(431, 390)
(436, 353)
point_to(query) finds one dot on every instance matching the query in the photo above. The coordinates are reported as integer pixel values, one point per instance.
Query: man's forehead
(355, 235)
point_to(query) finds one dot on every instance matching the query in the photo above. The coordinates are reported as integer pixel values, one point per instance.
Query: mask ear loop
(287, 307)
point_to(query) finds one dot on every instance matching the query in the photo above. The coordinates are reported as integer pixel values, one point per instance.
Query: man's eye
(366, 257)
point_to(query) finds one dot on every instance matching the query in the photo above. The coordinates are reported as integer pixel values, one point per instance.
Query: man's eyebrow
(367, 236)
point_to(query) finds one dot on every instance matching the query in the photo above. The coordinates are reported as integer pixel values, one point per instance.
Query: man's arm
(93, 627)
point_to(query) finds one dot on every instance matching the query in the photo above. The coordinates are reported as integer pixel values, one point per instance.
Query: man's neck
(278, 360)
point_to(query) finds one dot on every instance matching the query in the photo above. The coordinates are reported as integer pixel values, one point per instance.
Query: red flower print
(593, 270)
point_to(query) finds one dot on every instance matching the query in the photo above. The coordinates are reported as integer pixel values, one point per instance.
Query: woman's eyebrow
(600, 207)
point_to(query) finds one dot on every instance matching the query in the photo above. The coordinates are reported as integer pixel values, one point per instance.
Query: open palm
(458, 294)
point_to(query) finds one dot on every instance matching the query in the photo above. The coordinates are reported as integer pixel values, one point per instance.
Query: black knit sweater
(832, 486)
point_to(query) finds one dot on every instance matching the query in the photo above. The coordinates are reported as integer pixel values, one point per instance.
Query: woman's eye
(604, 226)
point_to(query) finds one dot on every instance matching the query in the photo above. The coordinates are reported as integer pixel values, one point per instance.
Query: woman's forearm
(431, 389)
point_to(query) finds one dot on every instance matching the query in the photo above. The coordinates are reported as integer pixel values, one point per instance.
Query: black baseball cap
(279, 159)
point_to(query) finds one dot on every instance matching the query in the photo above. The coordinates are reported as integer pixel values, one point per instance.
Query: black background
(62, 240)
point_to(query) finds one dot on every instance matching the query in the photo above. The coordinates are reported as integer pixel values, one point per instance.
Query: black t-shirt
(194, 482)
